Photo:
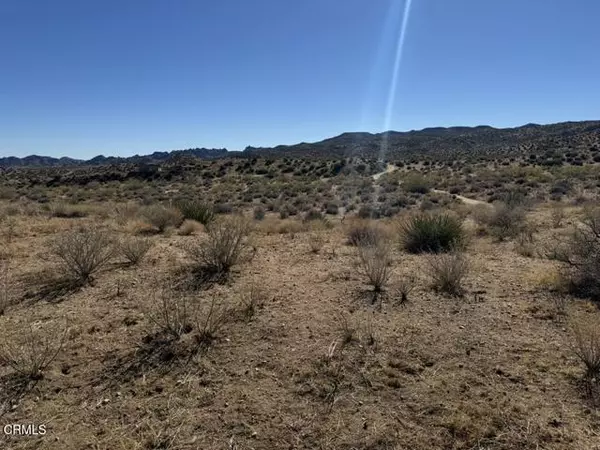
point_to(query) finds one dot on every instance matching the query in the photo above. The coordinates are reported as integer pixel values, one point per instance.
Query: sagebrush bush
(374, 261)
(433, 233)
(447, 272)
(134, 249)
(162, 217)
(587, 344)
(196, 210)
(223, 247)
(82, 253)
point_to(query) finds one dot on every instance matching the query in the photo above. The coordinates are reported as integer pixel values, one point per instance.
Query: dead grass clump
(172, 313)
(586, 334)
(82, 253)
(448, 271)
(66, 211)
(252, 298)
(223, 247)
(30, 353)
(364, 231)
(189, 227)
(316, 242)
(374, 261)
(134, 250)
(162, 217)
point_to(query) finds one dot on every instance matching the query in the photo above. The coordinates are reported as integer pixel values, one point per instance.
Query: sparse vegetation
(196, 210)
(587, 344)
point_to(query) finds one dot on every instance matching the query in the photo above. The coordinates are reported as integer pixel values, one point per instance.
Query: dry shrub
(66, 211)
(447, 272)
(364, 231)
(189, 227)
(435, 233)
(525, 242)
(162, 217)
(405, 287)
(29, 353)
(126, 212)
(134, 250)
(316, 243)
(223, 248)
(586, 334)
(581, 253)
(374, 261)
(272, 225)
(175, 314)
(558, 216)
(252, 298)
(504, 220)
(82, 253)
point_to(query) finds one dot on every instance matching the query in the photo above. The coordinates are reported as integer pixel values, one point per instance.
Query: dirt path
(389, 169)
(465, 200)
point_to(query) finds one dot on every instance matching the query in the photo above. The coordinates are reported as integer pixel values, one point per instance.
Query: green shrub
(197, 210)
(433, 233)
(259, 213)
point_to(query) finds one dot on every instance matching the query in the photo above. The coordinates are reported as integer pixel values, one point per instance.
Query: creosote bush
(162, 217)
(223, 247)
(447, 272)
(134, 250)
(434, 233)
(82, 253)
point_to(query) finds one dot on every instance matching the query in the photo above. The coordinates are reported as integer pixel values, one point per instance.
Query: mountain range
(452, 142)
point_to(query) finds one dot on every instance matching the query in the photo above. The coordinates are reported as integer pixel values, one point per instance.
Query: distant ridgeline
(574, 142)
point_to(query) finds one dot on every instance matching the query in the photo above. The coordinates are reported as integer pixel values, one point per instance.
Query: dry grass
(374, 262)
(447, 272)
(134, 249)
(162, 217)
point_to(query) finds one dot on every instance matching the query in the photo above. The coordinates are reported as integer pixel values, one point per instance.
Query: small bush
(162, 217)
(134, 250)
(172, 313)
(30, 353)
(374, 263)
(189, 227)
(5, 287)
(259, 213)
(195, 210)
(587, 345)
(447, 272)
(504, 220)
(224, 246)
(313, 214)
(316, 243)
(82, 253)
(63, 210)
(581, 252)
(432, 233)
(363, 231)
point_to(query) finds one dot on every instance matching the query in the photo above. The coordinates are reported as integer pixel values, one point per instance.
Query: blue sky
(120, 77)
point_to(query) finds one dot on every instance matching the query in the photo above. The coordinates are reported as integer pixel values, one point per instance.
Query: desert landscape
(317, 296)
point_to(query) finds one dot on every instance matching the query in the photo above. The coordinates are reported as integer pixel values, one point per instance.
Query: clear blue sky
(120, 77)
